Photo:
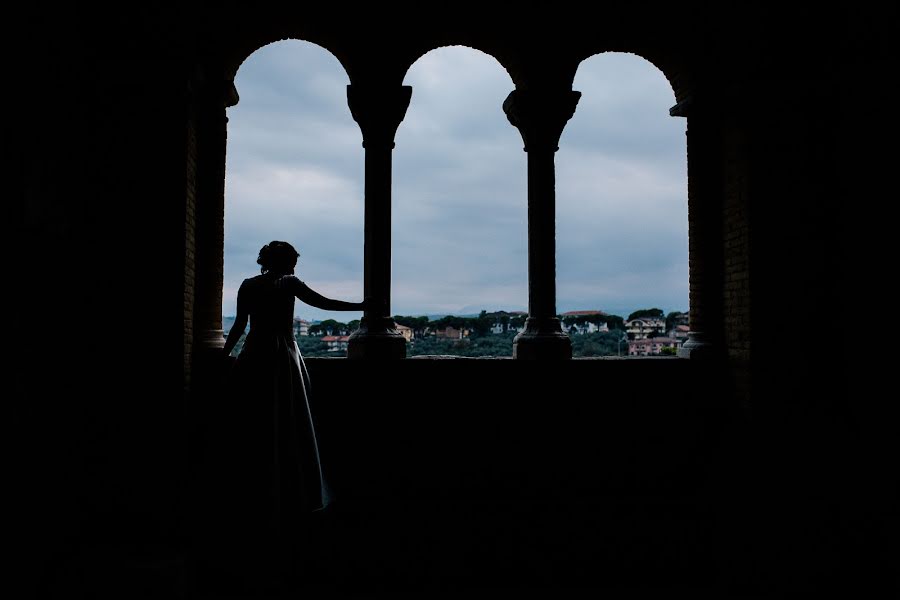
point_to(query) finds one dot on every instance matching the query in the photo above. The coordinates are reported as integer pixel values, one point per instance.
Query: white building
(585, 328)
(651, 347)
(301, 327)
(336, 343)
(405, 331)
(645, 327)
(580, 322)
(505, 321)
(680, 333)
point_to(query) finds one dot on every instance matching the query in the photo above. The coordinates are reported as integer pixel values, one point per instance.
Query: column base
(208, 364)
(376, 339)
(697, 346)
(543, 339)
(211, 339)
(207, 353)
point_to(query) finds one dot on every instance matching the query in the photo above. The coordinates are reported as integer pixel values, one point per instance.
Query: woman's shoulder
(252, 283)
(292, 279)
(290, 282)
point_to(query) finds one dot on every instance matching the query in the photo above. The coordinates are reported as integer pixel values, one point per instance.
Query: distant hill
(441, 316)
(436, 316)
(473, 310)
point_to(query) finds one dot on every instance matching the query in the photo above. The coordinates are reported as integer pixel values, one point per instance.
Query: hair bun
(277, 256)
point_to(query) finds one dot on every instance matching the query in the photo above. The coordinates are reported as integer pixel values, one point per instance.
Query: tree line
(481, 341)
(483, 324)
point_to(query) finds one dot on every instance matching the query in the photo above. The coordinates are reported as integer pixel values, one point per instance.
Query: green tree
(652, 313)
(335, 327)
(417, 324)
(449, 321)
(603, 343)
(672, 318)
(489, 345)
(615, 322)
(481, 325)
(312, 346)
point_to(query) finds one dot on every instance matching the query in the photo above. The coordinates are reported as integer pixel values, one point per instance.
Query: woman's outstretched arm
(314, 298)
(240, 323)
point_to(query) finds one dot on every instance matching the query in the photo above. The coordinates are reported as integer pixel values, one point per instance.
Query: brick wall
(736, 237)
(189, 243)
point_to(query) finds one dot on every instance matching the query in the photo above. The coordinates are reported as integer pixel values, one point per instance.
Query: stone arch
(483, 48)
(244, 47)
(295, 96)
(456, 114)
(635, 54)
(622, 172)
(214, 92)
(544, 72)
(704, 191)
(669, 64)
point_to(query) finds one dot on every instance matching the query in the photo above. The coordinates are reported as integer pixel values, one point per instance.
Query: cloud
(622, 192)
(459, 189)
(295, 172)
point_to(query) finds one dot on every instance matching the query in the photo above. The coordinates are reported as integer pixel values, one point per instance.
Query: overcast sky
(295, 173)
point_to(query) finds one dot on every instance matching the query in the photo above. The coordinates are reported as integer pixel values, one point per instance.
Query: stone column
(705, 231)
(378, 111)
(540, 116)
(209, 239)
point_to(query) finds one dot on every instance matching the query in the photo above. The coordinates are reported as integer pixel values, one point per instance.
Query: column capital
(683, 109)
(378, 111)
(231, 95)
(217, 92)
(540, 115)
(708, 106)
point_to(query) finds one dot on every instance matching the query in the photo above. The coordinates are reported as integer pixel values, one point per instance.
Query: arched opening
(295, 173)
(622, 224)
(460, 213)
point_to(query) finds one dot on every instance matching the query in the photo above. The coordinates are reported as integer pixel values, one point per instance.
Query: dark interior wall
(96, 156)
(466, 473)
(95, 136)
(802, 162)
(801, 438)
(492, 472)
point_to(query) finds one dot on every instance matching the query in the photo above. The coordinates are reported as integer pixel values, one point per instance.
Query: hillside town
(646, 332)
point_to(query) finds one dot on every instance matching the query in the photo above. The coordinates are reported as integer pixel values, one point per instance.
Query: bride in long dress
(278, 470)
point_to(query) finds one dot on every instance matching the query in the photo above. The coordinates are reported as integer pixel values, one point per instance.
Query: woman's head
(277, 257)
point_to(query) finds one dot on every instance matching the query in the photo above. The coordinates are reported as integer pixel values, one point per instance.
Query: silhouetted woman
(277, 475)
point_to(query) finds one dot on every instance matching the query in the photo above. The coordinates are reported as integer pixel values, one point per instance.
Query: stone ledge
(449, 357)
